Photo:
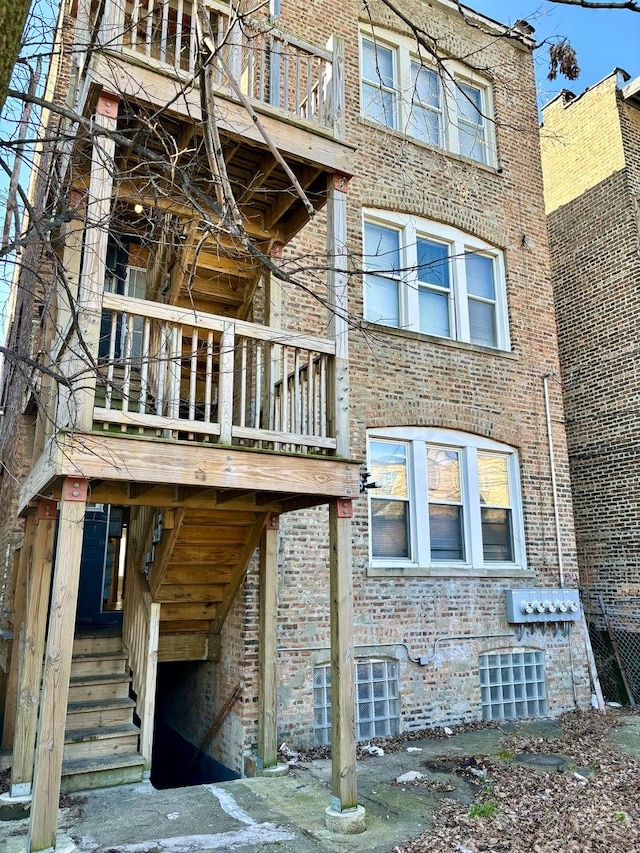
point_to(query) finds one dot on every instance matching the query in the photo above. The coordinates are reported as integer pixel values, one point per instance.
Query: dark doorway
(176, 761)
(100, 595)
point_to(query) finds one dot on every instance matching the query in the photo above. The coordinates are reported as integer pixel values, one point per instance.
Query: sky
(603, 39)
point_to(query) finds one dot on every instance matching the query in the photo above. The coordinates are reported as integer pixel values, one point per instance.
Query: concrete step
(101, 741)
(94, 687)
(104, 772)
(99, 712)
(101, 663)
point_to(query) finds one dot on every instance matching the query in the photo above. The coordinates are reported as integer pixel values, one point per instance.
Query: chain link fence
(615, 638)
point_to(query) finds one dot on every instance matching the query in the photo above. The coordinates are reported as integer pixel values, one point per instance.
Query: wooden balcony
(296, 88)
(186, 398)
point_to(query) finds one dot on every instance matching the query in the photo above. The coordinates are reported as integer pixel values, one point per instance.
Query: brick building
(369, 302)
(591, 165)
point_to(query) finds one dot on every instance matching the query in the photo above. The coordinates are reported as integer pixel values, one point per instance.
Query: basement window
(377, 700)
(512, 685)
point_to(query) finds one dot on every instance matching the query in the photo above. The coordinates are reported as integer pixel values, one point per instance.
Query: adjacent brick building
(591, 165)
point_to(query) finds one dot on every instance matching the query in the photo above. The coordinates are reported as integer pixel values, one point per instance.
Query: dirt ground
(575, 794)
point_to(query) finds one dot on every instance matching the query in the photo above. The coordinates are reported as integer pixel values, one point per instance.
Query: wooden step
(104, 740)
(84, 774)
(93, 687)
(97, 644)
(100, 712)
(102, 663)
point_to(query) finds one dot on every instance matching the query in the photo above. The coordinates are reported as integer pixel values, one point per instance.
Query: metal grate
(512, 685)
(377, 700)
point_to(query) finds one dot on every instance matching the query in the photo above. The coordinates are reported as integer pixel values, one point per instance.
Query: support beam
(267, 669)
(337, 280)
(21, 572)
(95, 254)
(24, 741)
(344, 814)
(57, 668)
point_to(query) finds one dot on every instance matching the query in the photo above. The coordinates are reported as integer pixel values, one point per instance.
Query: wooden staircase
(197, 563)
(101, 739)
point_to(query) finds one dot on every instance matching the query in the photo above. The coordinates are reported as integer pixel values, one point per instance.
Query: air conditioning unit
(542, 605)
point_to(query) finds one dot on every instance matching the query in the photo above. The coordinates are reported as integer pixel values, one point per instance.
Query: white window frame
(411, 229)
(404, 51)
(419, 561)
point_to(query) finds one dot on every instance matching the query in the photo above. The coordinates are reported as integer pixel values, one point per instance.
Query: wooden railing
(178, 373)
(271, 67)
(140, 634)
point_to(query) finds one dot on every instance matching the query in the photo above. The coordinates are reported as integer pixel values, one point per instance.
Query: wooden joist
(137, 458)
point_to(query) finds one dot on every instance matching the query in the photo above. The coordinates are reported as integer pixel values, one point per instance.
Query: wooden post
(226, 383)
(337, 92)
(338, 307)
(57, 667)
(24, 740)
(147, 712)
(96, 236)
(19, 607)
(273, 295)
(267, 670)
(344, 794)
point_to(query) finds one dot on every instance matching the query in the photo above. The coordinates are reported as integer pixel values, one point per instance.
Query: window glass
(493, 486)
(481, 290)
(445, 509)
(445, 531)
(390, 506)
(433, 301)
(425, 121)
(479, 270)
(382, 252)
(381, 248)
(493, 480)
(377, 63)
(434, 316)
(471, 130)
(482, 324)
(382, 300)
(433, 262)
(443, 474)
(378, 93)
(388, 467)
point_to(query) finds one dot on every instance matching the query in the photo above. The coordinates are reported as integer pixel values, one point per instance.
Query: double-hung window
(379, 83)
(447, 106)
(426, 277)
(443, 500)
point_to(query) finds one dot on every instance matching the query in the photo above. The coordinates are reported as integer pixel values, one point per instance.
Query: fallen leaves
(592, 807)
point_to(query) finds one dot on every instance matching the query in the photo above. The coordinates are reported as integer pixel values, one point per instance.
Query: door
(101, 590)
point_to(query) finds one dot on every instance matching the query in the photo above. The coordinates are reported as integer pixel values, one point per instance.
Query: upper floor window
(430, 278)
(444, 499)
(450, 108)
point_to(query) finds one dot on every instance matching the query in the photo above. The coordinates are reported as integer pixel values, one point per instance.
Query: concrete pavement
(284, 814)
